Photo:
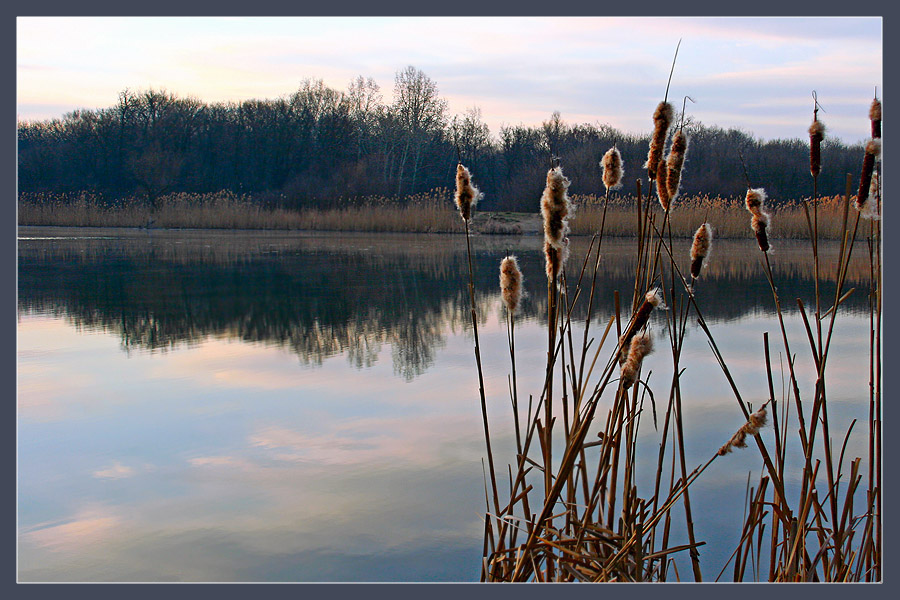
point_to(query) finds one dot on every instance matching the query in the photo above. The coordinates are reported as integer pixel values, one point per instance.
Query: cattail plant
(875, 117)
(555, 209)
(662, 118)
(816, 135)
(511, 294)
(467, 195)
(873, 153)
(640, 346)
(700, 248)
(755, 199)
(652, 299)
(613, 170)
(756, 421)
(510, 283)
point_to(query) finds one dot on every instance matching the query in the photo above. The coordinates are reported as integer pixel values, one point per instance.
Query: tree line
(320, 146)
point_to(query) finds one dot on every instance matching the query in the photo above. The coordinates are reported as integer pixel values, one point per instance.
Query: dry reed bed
(726, 214)
(424, 213)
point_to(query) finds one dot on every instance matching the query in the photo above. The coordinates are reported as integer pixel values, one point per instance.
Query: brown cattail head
(652, 299)
(875, 116)
(675, 162)
(873, 152)
(467, 195)
(641, 345)
(555, 207)
(759, 222)
(662, 117)
(816, 135)
(751, 427)
(555, 258)
(662, 191)
(700, 248)
(755, 199)
(612, 169)
(510, 283)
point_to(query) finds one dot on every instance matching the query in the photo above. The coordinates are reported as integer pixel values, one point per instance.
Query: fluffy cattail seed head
(751, 427)
(640, 346)
(816, 135)
(662, 118)
(555, 207)
(612, 169)
(655, 298)
(467, 195)
(755, 198)
(675, 162)
(873, 147)
(652, 299)
(870, 210)
(555, 258)
(875, 116)
(760, 220)
(700, 248)
(510, 283)
(873, 152)
(757, 421)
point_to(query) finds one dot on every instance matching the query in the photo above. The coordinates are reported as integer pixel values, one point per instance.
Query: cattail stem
(484, 415)
(511, 293)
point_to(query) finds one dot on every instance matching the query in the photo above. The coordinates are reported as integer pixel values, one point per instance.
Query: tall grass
(424, 213)
(725, 213)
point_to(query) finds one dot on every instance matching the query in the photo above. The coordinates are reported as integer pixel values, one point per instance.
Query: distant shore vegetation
(302, 151)
(431, 212)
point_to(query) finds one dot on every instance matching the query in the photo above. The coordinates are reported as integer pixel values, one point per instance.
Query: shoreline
(431, 214)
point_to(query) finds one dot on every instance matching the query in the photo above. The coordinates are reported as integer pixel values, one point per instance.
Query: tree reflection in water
(321, 295)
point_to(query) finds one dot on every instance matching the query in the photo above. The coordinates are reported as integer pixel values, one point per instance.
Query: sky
(752, 73)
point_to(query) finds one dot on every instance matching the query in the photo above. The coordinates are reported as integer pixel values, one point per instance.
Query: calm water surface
(246, 406)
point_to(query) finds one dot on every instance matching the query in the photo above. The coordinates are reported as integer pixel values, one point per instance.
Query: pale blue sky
(753, 73)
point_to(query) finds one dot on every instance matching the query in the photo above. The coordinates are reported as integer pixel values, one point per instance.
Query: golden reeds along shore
(424, 213)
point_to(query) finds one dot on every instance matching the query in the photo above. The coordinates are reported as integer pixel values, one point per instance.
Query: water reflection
(324, 295)
(203, 452)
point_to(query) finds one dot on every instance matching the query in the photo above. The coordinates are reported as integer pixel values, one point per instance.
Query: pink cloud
(116, 471)
(85, 529)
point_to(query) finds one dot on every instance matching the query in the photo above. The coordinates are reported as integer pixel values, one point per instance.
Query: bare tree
(421, 115)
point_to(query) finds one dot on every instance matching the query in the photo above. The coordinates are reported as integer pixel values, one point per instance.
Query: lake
(283, 406)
